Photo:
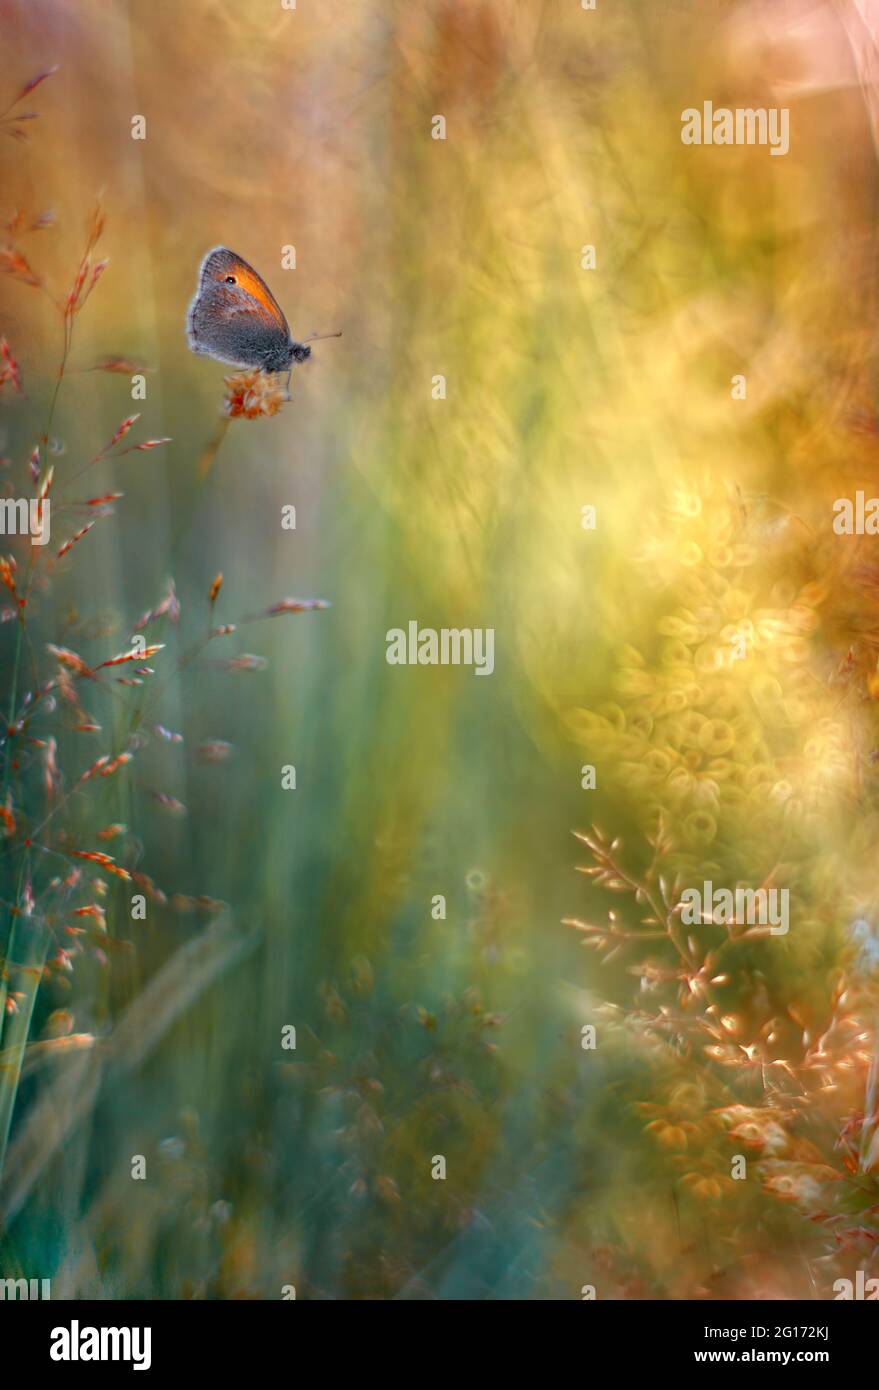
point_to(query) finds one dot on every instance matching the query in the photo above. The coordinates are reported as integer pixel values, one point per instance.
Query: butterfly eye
(230, 280)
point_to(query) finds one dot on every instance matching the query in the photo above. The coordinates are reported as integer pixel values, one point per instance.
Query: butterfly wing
(234, 316)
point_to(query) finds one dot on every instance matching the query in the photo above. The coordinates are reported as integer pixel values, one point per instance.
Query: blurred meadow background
(710, 648)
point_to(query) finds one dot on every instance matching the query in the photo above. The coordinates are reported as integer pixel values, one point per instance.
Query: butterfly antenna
(318, 337)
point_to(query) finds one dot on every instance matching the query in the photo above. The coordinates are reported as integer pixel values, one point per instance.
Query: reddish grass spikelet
(51, 774)
(7, 573)
(13, 263)
(114, 764)
(296, 605)
(95, 228)
(10, 369)
(136, 654)
(95, 911)
(170, 605)
(18, 222)
(106, 861)
(32, 84)
(168, 608)
(147, 444)
(122, 431)
(7, 818)
(215, 588)
(124, 366)
(72, 301)
(105, 766)
(168, 734)
(110, 832)
(95, 768)
(246, 662)
(103, 501)
(120, 434)
(149, 887)
(72, 540)
(70, 659)
(86, 272)
(117, 871)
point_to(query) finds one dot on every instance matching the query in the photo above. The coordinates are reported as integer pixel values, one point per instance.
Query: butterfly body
(235, 318)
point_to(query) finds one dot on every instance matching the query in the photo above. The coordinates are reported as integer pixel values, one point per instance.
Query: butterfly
(235, 318)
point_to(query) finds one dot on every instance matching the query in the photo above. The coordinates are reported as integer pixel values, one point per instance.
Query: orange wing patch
(257, 289)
